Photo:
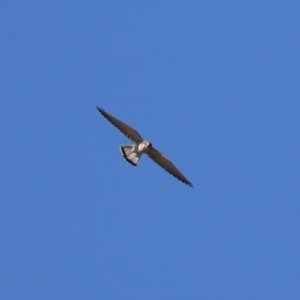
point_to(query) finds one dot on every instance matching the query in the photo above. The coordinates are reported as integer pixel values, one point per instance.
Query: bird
(133, 153)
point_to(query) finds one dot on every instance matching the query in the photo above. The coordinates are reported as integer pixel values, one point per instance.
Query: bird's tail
(130, 155)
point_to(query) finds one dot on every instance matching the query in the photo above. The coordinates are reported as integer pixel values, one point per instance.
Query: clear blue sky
(214, 85)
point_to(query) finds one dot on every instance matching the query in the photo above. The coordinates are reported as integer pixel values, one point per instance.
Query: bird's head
(146, 144)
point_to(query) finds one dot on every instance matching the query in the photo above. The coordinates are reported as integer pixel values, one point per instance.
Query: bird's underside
(132, 154)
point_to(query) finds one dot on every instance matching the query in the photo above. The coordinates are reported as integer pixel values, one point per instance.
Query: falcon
(132, 154)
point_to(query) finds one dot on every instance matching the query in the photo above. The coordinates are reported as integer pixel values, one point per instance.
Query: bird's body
(142, 147)
(133, 153)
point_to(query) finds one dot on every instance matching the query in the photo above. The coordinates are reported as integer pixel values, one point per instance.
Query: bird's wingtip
(101, 110)
(191, 185)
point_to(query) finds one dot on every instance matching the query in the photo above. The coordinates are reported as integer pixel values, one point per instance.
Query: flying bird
(132, 154)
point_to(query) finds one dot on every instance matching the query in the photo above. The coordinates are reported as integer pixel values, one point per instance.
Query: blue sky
(214, 86)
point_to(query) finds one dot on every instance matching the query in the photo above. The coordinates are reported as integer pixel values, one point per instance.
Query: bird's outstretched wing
(165, 163)
(132, 134)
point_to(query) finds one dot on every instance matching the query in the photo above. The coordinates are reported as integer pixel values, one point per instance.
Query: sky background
(214, 85)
